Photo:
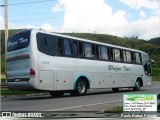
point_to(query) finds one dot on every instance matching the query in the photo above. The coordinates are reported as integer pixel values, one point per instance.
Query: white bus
(40, 60)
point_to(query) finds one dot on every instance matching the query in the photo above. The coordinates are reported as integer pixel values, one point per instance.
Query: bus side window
(80, 50)
(47, 44)
(93, 51)
(98, 52)
(74, 48)
(104, 53)
(129, 57)
(137, 58)
(124, 56)
(60, 46)
(67, 47)
(88, 50)
(116, 54)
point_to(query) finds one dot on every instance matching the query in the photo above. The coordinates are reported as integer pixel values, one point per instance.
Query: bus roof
(85, 40)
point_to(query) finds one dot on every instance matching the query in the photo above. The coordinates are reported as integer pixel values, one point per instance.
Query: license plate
(16, 80)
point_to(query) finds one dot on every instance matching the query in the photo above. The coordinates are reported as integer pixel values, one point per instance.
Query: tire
(56, 93)
(115, 90)
(81, 88)
(137, 86)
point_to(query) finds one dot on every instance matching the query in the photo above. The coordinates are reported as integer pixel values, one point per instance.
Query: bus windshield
(19, 40)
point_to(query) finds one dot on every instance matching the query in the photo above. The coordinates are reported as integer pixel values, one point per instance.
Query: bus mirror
(153, 62)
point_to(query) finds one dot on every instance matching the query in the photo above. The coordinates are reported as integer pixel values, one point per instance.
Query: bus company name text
(21, 40)
(124, 68)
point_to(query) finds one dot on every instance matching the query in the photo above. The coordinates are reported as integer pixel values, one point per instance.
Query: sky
(124, 18)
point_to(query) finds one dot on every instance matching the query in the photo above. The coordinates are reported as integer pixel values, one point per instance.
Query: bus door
(147, 68)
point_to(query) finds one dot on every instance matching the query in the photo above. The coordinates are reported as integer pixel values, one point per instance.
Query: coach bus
(41, 60)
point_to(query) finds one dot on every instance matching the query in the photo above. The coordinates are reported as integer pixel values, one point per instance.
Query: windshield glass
(18, 41)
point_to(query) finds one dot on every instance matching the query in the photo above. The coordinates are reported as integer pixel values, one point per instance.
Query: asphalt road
(95, 100)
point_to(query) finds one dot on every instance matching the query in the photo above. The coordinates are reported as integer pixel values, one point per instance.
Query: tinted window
(75, 48)
(104, 53)
(137, 58)
(60, 46)
(99, 51)
(67, 48)
(47, 44)
(81, 51)
(88, 50)
(116, 54)
(127, 56)
(145, 58)
(18, 41)
(124, 56)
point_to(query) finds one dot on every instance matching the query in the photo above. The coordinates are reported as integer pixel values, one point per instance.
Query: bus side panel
(63, 81)
(99, 79)
(34, 59)
(46, 80)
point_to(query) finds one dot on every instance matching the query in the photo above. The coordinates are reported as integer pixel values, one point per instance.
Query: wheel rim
(81, 87)
(138, 85)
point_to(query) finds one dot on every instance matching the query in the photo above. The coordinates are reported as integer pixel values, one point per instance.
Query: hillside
(155, 41)
(152, 47)
(115, 40)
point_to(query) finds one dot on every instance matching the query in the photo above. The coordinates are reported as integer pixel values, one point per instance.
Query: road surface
(95, 100)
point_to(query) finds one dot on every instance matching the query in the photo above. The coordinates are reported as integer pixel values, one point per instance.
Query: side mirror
(153, 62)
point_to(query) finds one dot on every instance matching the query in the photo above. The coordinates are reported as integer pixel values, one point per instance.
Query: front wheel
(81, 88)
(56, 93)
(137, 86)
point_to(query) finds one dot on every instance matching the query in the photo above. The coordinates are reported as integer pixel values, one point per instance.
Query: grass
(156, 74)
(3, 63)
(155, 71)
(116, 109)
(6, 92)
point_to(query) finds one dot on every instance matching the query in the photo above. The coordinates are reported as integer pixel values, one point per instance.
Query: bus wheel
(81, 88)
(115, 89)
(137, 86)
(56, 93)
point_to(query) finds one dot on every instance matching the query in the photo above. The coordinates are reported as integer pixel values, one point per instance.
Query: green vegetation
(156, 74)
(155, 41)
(156, 71)
(156, 58)
(3, 63)
(5, 92)
(115, 109)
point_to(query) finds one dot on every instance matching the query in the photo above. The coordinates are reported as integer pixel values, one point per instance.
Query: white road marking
(84, 105)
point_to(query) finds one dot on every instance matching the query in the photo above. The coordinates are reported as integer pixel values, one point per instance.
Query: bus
(56, 63)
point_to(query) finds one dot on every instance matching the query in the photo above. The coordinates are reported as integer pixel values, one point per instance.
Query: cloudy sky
(116, 17)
